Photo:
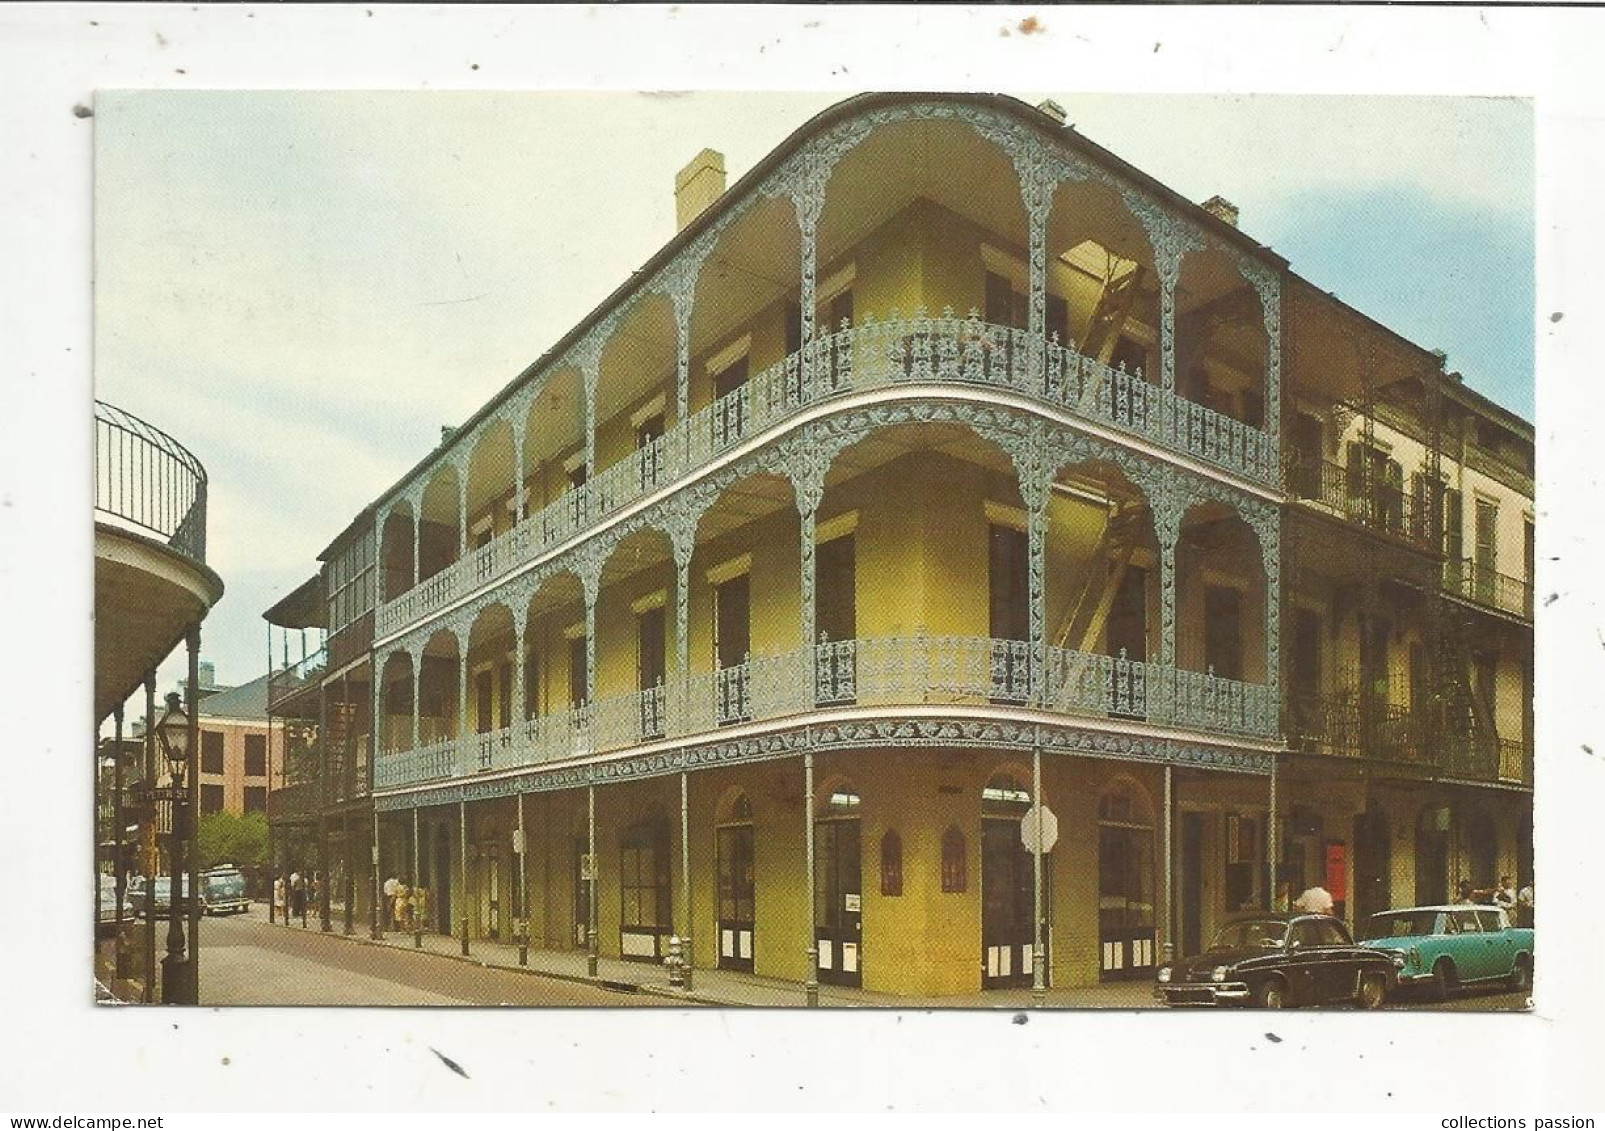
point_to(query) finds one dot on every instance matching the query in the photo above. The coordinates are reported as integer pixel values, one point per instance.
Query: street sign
(1028, 829)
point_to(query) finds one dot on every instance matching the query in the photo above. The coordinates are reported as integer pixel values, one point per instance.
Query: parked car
(161, 895)
(108, 902)
(1279, 960)
(1444, 948)
(223, 891)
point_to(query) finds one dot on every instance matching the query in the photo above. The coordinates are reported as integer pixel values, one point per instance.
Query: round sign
(1028, 829)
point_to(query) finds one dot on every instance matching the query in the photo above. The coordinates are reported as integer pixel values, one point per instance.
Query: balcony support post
(462, 868)
(1039, 984)
(590, 570)
(685, 876)
(375, 919)
(462, 513)
(150, 867)
(416, 675)
(518, 421)
(515, 708)
(463, 728)
(1166, 899)
(593, 960)
(413, 882)
(325, 923)
(1167, 512)
(1272, 846)
(590, 372)
(811, 985)
(417, 541)
(1035, 494)
(523, 886)
(682, 535)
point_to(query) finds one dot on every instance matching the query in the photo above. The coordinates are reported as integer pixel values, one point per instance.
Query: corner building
(934, 469)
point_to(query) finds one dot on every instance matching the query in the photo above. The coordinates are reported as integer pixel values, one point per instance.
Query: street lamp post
(173, 732)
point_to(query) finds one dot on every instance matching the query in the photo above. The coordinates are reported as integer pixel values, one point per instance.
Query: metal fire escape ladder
(1084, 621)
(1115, 305)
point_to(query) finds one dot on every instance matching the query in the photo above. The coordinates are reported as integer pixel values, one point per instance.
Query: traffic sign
(1028, 829)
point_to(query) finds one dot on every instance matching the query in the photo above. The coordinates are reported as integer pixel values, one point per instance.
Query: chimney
(1222, 209)
(1053, 110)
(447, 431)
(698, 185)
(1443, 358)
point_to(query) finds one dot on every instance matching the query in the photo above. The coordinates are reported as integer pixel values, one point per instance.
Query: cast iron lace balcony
(883, 672)
(289, 682)
(148, 482)
(1489, 587)
(898, 351)
(1336, 489)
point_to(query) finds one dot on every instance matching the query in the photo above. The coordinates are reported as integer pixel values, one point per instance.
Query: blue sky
(304, 287)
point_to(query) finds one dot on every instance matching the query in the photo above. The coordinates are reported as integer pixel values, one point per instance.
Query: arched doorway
(1126, 941)
(1482, 850)
(736, 888)
(838, 888)
(1432, 855)
(1007, 886)
(1373, 864)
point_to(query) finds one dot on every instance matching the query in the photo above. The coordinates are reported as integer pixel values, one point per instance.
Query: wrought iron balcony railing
(148, 482)
(885, 672)
(917, 350)
(286, 683)
(1351, 725)
(1489, 587)
(1379, 505)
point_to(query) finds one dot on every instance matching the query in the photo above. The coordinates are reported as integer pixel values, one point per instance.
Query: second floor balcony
(1486, 586)
(302, 677)
(840, 679)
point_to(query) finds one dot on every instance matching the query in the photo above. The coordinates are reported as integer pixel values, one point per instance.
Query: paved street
(247, 961)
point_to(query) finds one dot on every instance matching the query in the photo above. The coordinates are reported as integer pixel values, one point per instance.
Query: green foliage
(223, 838)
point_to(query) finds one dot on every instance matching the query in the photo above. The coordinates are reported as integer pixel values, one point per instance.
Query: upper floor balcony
(1378, 505)
(1485, 586)
(152, 584)
(300, 678)
(918, 355)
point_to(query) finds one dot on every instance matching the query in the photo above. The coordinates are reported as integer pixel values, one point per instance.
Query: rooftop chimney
(1442, 356)
(1053, 110)
(698, 185)
(1222, 209)
(447, 431)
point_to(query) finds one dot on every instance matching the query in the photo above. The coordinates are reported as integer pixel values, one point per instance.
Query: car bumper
(228, 908)
(1202, 993)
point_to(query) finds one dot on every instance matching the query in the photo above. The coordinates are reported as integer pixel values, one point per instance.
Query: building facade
(944, 468)
(235, 763)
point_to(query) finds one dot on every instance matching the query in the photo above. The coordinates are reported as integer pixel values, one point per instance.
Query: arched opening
(492, 650)
(745, 323)
(737, 883)
(1102, 306)
(1126, 882)
(492, 502)
(838, 886)
(395, 553)
(554, 456)
(439, 524)
(1221, 624)
(1008, 892)
(637, 609)
(555, 669)
(395, 700)
(635, 402)
(1221, 343)
(439, 674)
(1432, 855)
(1102, 593)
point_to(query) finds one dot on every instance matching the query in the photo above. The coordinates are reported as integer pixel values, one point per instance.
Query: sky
(304, 287)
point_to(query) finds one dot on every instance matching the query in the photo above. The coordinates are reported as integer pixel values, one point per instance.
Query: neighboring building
(761, 601)
(235, 757)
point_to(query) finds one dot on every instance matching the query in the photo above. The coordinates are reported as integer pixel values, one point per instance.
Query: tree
(224, 838)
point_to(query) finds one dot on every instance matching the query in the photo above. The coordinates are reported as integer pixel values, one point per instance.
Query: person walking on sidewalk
(280, 898)
(298, 897)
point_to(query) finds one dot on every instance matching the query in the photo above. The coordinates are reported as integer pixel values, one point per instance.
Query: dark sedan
(1280, 960)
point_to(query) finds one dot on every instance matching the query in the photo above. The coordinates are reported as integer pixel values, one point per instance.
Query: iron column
(1039, 989)
(150, 867)
(1167, 899)
(523, 890)
(685, 869)
(417, 876)
(811, 986)
(462, 864)
(593, 958)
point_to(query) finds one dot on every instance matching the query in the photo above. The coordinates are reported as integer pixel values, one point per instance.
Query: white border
(62, 1055)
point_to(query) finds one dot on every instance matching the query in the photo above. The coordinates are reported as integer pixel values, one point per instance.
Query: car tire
(1444, 980)
(1271, 994)
(1373, 989)
(1521, 977)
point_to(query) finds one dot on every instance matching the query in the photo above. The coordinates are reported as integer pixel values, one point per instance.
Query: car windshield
(1250, 933)
(224, 885)
(1401, 924)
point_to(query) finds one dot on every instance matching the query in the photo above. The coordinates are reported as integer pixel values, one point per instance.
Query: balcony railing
(1381, 506)
(148, 482)
(881, 672)
(289, 682)
(921, 349)
(1489, 587)
(1348, 725)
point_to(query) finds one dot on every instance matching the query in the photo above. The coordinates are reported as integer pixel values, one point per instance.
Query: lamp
(173, 733)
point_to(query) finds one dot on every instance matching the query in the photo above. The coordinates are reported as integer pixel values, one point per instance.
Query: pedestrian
(420, 907)
(403, 906)
(1465, 893)
(1505, 895)
(279, 904)
(1314, 901)
(1524, 906)
(1284, 896)
(298, 897)
(387, 905)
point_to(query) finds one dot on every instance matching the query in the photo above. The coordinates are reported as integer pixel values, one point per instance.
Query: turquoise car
(1444, 948)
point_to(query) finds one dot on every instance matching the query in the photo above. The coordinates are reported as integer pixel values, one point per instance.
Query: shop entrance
(736, 886)
(1007, 886)
(838, 889)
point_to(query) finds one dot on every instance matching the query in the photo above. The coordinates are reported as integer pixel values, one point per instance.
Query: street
(247, 961)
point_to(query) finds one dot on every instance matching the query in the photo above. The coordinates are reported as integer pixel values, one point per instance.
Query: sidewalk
(729, 988)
